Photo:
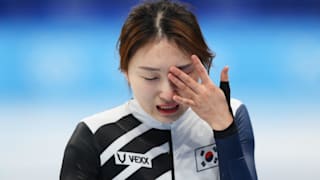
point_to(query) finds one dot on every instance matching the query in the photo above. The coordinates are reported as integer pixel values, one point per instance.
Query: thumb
(224, 77)
(225, 86)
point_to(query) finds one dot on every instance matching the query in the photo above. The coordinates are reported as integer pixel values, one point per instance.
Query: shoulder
(94, 122)
(242, 119)
(238, 107)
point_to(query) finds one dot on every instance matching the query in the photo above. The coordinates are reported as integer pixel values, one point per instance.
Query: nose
(167, 91)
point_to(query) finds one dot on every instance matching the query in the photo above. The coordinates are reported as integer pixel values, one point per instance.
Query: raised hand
(204, 97)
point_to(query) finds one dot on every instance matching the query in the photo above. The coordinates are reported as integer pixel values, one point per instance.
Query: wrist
(221, 123)
(231, 130)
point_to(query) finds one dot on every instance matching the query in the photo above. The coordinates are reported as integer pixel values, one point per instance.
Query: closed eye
(151, 78)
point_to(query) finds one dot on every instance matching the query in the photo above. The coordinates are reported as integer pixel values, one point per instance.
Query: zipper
(171, 156)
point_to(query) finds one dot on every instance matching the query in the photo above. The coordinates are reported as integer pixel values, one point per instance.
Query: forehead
(160, 54)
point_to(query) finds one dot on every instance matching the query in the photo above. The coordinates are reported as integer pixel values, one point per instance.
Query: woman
(179, 124)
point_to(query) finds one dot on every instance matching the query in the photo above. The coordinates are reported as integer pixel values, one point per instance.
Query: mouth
(168, 109)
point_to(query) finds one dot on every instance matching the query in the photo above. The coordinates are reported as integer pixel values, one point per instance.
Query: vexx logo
(129, 158)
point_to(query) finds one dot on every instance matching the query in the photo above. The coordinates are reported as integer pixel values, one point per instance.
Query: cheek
(144, 91)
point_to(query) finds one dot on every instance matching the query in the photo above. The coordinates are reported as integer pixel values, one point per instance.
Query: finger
(185, 79)
(224, 83)
(180, 86)
(202, 71)
(185, 101)
(224, 77)
(225, 87)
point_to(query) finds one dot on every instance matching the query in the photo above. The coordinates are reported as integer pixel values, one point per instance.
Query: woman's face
(148, 77)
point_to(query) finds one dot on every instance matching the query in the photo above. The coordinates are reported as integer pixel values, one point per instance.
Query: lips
(168, 108)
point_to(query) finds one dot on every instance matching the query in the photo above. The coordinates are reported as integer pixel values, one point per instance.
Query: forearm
(235, 156)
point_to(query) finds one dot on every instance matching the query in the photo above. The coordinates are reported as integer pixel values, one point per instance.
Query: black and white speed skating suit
(127, 143)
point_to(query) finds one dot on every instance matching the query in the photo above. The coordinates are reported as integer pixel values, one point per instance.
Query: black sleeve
(236, 149)
(235, 144)
(225, 87)
(81, 159)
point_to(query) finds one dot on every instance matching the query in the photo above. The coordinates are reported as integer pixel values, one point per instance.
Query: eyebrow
(182, 67)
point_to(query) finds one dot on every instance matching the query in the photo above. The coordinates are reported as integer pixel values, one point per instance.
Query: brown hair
(162, 19)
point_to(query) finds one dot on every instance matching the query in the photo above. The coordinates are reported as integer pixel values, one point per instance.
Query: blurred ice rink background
(59, 63)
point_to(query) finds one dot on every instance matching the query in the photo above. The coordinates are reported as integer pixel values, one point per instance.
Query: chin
(170, 118)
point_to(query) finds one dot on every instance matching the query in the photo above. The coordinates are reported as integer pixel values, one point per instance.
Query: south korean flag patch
(206, 157)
